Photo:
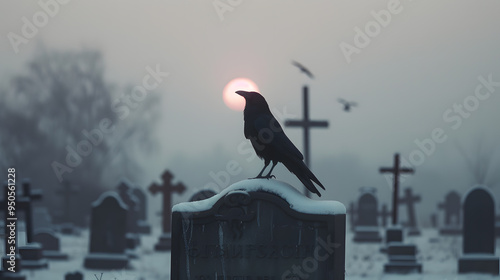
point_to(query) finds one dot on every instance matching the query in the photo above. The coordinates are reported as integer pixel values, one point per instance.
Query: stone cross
(409, 199)
(451, 207)
(396, 170)
(384, 214)
(306, 124)
(24, 203)
(66, 193)
(167, 189)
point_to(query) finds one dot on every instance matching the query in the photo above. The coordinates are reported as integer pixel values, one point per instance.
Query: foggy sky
(406, 80)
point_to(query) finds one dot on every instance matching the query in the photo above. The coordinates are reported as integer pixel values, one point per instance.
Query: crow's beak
(241, 93)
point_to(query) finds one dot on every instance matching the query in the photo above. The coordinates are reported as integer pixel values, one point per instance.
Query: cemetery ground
(438, 255)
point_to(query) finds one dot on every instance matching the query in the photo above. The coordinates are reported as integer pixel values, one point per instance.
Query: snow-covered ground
(439, 256)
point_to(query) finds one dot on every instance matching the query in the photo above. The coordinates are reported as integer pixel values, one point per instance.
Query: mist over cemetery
(249, 140)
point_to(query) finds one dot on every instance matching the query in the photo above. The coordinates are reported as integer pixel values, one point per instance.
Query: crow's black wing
(273, 137)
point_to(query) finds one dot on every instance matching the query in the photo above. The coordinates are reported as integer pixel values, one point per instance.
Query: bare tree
(48, 110)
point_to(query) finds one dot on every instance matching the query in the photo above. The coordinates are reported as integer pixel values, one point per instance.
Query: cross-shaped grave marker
(396, 170)
(166, 189)
(409, 199)
(66, 193)
(306, 124)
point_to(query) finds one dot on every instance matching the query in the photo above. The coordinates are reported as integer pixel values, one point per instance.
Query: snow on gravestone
(479, 233)
(258, 229)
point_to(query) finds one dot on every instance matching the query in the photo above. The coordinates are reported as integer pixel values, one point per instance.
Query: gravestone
(402, 258)
(201, 195)
(367, 229)
(409, 199)
(143, 226)
(73, 276)
(107, 233)
(166, 189)
(258, 229)
(50, 244)
(479, 233)
(452, 207)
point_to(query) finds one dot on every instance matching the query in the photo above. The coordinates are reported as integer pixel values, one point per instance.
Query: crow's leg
(269, 176)
(266, 163)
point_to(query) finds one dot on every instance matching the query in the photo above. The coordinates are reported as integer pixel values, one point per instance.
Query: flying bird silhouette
(303, 69)
(270, 142)
(347, 104)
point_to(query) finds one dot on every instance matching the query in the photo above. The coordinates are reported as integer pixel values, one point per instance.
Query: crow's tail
(300, 169)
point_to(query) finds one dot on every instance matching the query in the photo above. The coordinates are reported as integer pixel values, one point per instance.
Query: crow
(347, 104)
(303, 69)
(270, 142)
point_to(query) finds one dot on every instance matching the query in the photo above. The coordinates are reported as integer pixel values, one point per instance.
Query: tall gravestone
(452, 216)
(107, 233)
(367, 229)
(258, 229)
(143, 226)
(479, 233)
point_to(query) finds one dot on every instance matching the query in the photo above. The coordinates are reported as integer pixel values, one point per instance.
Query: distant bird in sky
(347, 104)
(303, 69)
(270, 142)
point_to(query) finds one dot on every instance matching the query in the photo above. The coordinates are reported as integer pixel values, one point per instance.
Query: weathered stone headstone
(452, 207)
(258, 229)
(166, 189)
(201, 195)
(409, 199)
(50, 244)
(142, 224)
(107, 233)
(479, 233)
(367, 229)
